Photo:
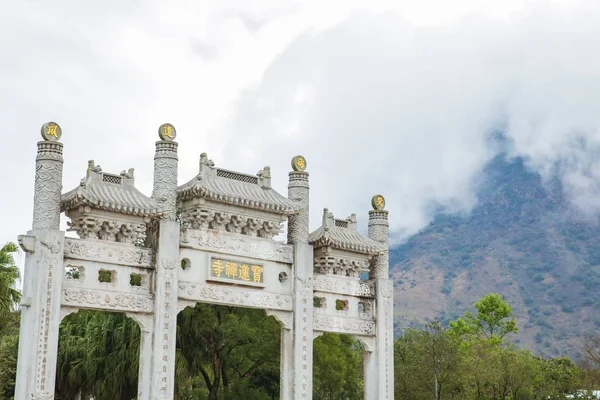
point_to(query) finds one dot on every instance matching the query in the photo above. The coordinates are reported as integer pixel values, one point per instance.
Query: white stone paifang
(151, 257)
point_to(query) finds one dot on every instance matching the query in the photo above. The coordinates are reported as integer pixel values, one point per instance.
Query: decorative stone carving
(344, 325)
(342, 266)
(27, 243)
(343, 286)
(207, 293)
(379, 231)
(199, 218)
(298, 191)
(368, 342)
(64, 311)
(48, 185)
(107, 300)
(245, 246)
(165, 177)
(88, 227)
(285, 318)
(145, 321)
(107, 252)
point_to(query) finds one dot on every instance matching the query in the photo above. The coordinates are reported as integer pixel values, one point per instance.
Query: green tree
(337, 368)
(98, 356)
(494, 319)
(9, 274)
(231, 348)
(9, 348)
(591, 349)
(429, 364)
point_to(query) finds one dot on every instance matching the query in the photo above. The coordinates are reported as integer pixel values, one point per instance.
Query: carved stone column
(42, 283)
(298, 229)
(379, 231)
(299, 190)
(379, 272)
(167, 259)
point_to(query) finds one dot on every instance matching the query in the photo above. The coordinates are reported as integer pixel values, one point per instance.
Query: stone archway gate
(210, 240)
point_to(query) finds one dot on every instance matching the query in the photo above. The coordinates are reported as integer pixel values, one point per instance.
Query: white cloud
(380, 105)
(378, 101)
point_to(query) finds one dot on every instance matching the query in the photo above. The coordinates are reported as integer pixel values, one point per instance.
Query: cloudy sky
(392, 97)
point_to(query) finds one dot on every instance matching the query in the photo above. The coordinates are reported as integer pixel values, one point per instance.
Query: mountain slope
(523, 241)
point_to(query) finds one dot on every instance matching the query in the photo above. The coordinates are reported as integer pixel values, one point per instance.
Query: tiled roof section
(238, 189)
(111, 193)
(342, 234)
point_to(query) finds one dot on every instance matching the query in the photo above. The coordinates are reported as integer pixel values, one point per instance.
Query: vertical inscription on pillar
(304, 348)
(43, 338)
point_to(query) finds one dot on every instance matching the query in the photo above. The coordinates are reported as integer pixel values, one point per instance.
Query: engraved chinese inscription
(235, 271)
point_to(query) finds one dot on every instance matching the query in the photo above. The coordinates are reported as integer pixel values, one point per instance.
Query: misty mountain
(523, 240)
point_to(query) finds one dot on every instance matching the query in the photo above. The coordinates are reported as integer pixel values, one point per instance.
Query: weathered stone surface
(176, 244)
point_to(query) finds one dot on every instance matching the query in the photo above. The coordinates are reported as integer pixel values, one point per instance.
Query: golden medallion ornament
(298, 163)
(51, 132)
(167, 132)
(378, 202)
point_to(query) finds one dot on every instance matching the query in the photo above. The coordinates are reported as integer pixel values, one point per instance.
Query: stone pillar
(146, 324)
(167, 260)
(298, 190)
(286, 357)
(370, 375)
(379, 272)
(42, 283)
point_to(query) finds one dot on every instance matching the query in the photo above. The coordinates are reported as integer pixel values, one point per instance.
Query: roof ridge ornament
(128, 174)
(264, 177)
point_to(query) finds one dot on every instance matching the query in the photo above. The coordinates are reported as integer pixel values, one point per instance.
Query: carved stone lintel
(343, 285)
(106, 300)
(210, 293)
(285, 318)
(107, 252)
(344, 325)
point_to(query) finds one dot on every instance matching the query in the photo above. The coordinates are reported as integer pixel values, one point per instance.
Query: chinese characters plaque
(236, 272)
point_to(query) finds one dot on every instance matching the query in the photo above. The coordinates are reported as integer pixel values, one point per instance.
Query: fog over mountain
(379, 105)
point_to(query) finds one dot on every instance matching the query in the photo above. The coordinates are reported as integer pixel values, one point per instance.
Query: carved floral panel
(235, 296)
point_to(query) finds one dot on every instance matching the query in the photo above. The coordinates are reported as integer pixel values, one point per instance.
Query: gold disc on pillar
(378, 202)
(167, 132)
(51, 132)
(298, 163)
